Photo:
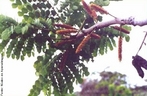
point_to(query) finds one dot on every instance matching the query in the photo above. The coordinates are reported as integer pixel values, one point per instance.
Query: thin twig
(142, 43)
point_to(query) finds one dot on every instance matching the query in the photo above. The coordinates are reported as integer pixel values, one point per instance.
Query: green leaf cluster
(48, 69)
(30, 10)
(6, 26)
(21, 39)
(110, 84)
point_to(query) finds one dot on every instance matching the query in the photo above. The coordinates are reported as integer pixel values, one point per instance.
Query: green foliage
(48, 69)
(102, 2)
(6, 22)
(115, 84)
(60, 66)
(110, 84)
(119, 90)
(6, 34)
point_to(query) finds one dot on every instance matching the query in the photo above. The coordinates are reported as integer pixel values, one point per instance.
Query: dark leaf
(63, 60)
(34, 6)
(31, 14)
(48, 5)
(29, 7)
(53, 12)
(43, 5)
(30, 0)
(37, 13)
(139, 62)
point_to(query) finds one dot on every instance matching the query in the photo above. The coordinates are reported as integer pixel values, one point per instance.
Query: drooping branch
(128, 21)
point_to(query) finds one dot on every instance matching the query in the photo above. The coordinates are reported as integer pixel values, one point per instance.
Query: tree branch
(129, 21)
(142, 43)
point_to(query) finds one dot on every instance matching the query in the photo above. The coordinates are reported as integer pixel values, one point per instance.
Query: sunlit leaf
(24, 10)
(30, 19)
(18, 2)
(12, 0)
(10, 47)
(17, 29)
(14, 5)
(113, 42)
(25, 17)
(109, 44)
(6, 34)
(3, 44)
(127, 27)
(102, 45)
(20, 13)
(127, 38)
(102, 2)
(20, 7)
(25, 29)
(75, 7)
(13, 56)
(106, 2)
(22, 58)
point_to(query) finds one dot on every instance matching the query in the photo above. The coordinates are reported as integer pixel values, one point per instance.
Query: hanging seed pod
(62, 42)
(94, 15)
(136, 64)
(83, 42)
(86, 7)
(66, 31)
(121, 29)
(64, 26)
(98, 8)
(120, 48)
(96, 36)
(63, 60)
